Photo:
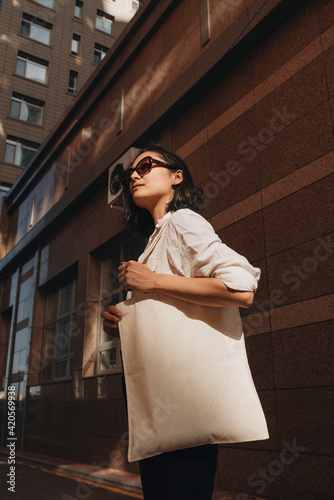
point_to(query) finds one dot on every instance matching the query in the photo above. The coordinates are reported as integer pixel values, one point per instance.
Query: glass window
(31, 67)
(99, 53)
(46, 3)
(78, 10)
(75, 44)
(72, 81)
(36, 29)
(59, 328)
(26, 109)
(19, 151)
(104, 22)
(111, 293)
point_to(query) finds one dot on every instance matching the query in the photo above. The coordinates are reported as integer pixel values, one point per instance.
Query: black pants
(180, 475)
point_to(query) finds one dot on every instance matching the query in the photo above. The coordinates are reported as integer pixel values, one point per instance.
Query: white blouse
(190, 247)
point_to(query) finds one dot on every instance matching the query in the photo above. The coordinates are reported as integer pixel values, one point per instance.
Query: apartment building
(48, 49)
(242, 90)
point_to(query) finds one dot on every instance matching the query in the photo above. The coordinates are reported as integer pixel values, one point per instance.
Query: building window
(46, 3)
(59, 332)
(19, 151)
(111, 293)
(26, 109)
(75, 47)
(72, 81)
(78, 10)
(99, 53)
(31, 67)
(104, 22)
(36, 29)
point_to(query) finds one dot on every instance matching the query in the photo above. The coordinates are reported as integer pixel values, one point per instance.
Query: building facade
(244, 92)
(48, 49)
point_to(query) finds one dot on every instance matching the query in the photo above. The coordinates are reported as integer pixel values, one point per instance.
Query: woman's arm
(205, 291)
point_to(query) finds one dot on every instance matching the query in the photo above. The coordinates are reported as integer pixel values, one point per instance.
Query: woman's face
(155, 187)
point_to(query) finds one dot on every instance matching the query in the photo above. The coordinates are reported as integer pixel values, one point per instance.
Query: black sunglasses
(144, 167)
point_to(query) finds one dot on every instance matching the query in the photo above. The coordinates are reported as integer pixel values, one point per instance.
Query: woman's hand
(135, 276)
(110, 320)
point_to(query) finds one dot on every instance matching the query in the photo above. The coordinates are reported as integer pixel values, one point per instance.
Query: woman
(191, 263)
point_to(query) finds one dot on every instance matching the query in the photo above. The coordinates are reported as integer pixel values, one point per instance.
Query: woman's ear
(177, 177)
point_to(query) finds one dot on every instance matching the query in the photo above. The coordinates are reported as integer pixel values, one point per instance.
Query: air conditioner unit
(115, 172)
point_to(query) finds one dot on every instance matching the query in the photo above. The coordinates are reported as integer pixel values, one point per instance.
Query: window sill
(52, 9)
(112, 371)
(31, 80)
(12, 164)
(105, 33)
(36, 41)
(27, 123)
(76, 56)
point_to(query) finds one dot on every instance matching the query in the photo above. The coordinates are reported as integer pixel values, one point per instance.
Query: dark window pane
(25, 28)
(20, 67)
(34, 114)
(15, 109)
(25, 156)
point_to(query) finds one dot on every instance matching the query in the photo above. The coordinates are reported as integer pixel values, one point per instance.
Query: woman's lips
(136, 186)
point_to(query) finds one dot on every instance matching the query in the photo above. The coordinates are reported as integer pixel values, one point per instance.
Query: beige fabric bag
(187, 376)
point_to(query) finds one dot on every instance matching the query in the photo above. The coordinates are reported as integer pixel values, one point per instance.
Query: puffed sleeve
(194, 247)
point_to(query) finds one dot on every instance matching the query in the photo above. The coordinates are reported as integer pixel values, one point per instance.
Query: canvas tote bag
(187, 376)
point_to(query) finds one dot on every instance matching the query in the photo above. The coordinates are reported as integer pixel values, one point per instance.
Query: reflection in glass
(108, 359)
(78, 10)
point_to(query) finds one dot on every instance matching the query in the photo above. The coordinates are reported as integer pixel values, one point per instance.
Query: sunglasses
(144, 167)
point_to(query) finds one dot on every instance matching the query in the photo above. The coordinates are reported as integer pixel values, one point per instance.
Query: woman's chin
(139, 201)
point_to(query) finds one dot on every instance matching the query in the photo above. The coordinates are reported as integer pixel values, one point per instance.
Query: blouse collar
(163, 220)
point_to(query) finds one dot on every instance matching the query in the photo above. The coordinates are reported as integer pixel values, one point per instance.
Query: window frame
(51, 361)
(104, 15)
(29, 101)
(76, 38)
(115, 295)
(78, 3)
(27, 58)
(101, 49)
(18, 142)
(33, 21)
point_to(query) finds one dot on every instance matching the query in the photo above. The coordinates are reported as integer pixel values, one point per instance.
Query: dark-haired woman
(191, 263)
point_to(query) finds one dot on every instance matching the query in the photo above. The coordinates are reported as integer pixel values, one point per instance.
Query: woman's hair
(185, 194)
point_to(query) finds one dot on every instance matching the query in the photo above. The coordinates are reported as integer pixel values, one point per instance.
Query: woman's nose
(135, 175)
